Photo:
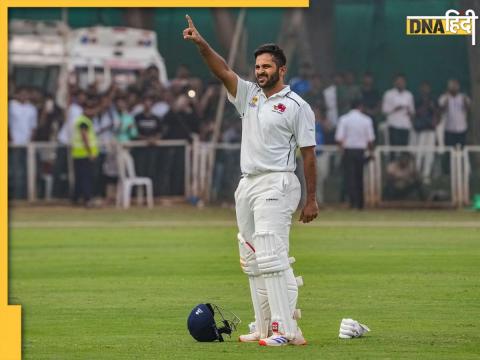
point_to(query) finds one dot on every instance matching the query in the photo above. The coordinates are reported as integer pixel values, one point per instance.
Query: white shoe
(252, 337)
(279, 340)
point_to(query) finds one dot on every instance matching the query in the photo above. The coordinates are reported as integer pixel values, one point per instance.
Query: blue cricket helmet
(203, 327)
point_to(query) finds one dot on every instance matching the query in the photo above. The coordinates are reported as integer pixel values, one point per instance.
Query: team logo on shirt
(253, 102)
(279, 108)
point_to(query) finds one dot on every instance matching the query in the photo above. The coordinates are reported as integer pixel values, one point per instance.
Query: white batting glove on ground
(350, 328)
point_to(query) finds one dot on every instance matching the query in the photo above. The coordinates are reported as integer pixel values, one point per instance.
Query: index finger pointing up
(190, 22)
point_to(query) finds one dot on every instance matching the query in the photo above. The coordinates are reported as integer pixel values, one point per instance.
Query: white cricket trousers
(267, 202)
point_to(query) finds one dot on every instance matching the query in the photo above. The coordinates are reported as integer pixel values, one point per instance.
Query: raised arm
(214, 61)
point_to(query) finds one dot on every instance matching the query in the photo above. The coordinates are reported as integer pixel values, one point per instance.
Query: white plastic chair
(128, 179)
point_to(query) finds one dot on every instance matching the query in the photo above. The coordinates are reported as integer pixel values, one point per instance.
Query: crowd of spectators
(147, 111)
(399, 119)
(151, 111)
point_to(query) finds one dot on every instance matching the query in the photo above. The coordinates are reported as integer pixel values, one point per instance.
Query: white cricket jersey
(272, 128)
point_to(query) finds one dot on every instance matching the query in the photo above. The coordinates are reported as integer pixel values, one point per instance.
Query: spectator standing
(207, 109)
(135, 105)
(127, 129)
(331, 95)
(64, 138)
(84, 153)
(180, 122)
(105, 124)
(149, 79)
(50, 120)
(184, 81)
(161, 106)
(208, 102)
(22, 123)
(371, 100)
(74, 110)
(227, 173)
(398, 106)
(424, 125)
(348, 93)
(355, 135)
(301, 84)
(150, 128)
(454, 106)
(314, 96)
(322, 157)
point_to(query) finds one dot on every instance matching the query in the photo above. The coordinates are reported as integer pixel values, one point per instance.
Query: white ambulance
(37, 54)
(113, 54)
(48, 54)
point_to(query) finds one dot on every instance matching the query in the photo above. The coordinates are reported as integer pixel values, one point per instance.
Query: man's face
(425, 89)
(132, 99)
(338, 80)
(181, 104)
(90, 110)
(267, 72)
(349, 78)
(147, 104)
(453, 86)
(121, 104)
(81, 98)
(152, 73)
(105, 102)
(368, 81)
(22, 96)
(183, 72)
(400, 83)
(316, 82)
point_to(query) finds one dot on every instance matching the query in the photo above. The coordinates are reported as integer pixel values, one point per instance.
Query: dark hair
(22, 88)
(148, 97)
(276, 52)
(356, 103)
(91, 102)
(400, 75)
(120, 98)
(152, 67)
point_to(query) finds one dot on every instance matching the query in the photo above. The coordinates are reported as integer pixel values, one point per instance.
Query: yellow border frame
(10, 315)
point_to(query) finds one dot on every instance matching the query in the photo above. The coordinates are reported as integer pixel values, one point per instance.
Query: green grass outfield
(108, 284)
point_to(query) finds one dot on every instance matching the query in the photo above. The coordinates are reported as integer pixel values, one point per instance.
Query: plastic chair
(128, 180)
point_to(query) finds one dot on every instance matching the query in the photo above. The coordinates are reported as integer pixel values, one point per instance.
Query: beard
(271, 81)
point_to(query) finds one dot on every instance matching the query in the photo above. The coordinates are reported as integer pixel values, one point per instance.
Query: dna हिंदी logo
(453, 23)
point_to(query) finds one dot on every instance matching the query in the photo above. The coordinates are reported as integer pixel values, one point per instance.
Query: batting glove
(350, 328)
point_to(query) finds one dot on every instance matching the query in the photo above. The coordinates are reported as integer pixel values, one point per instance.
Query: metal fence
(43, 171)
(420, 176)
(396, 176)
